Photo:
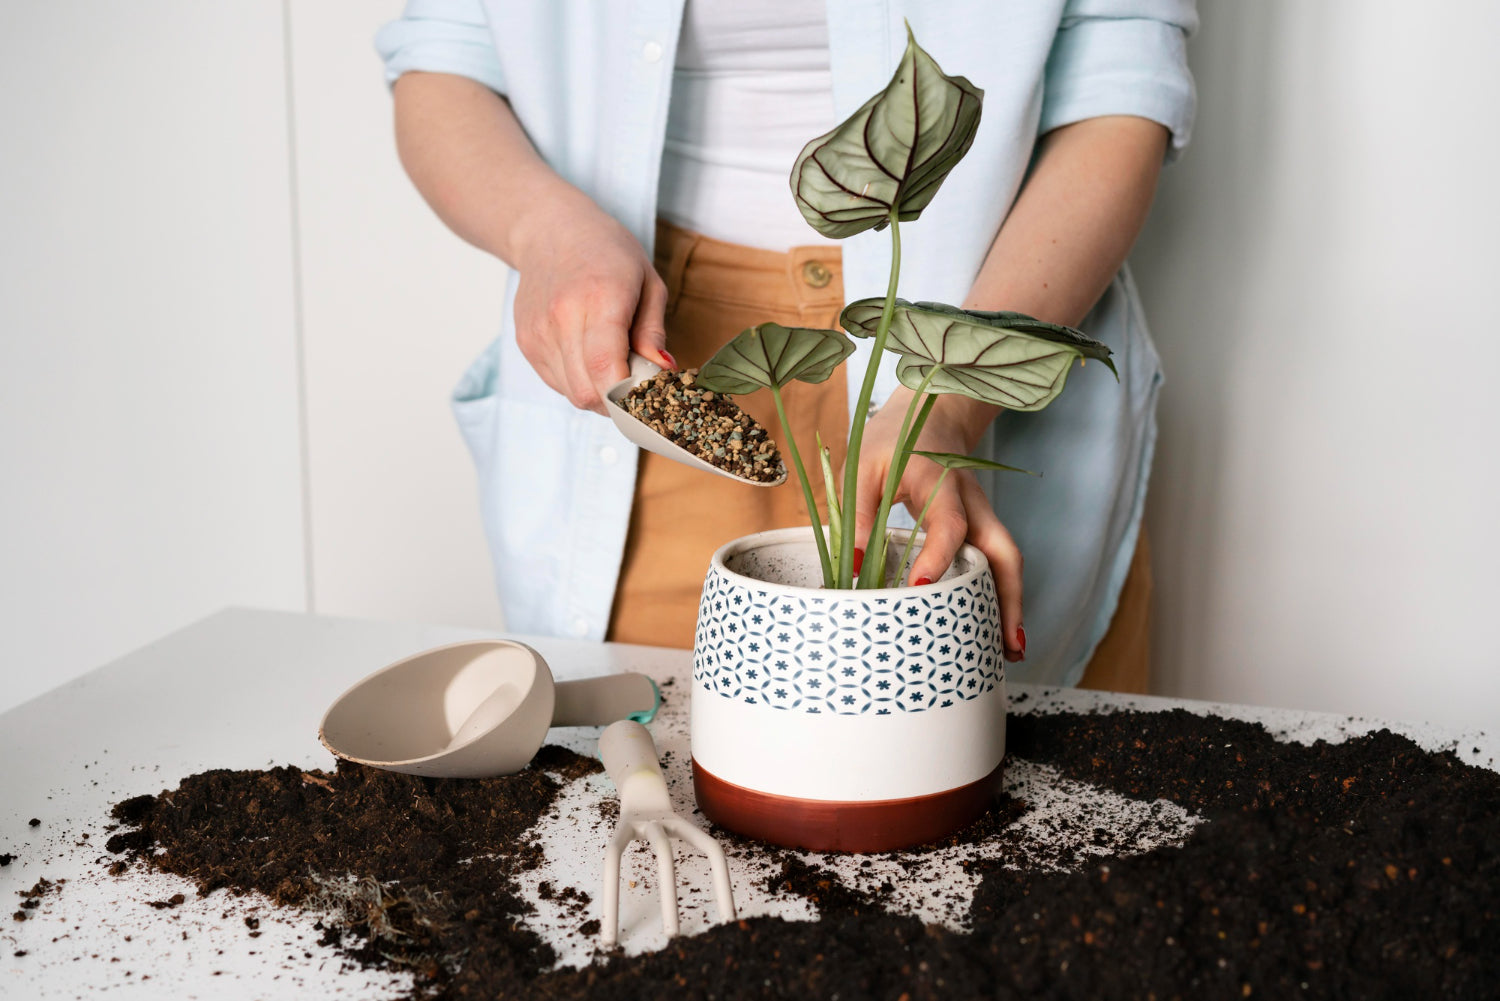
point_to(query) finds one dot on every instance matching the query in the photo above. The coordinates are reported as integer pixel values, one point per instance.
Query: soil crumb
(1368, 868)
(709, 425)
(32, 899)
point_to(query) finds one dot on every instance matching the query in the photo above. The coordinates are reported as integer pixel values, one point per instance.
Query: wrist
(555, 208)
(970, 418)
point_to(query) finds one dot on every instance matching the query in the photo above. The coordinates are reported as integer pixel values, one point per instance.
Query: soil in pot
(1369, 868)
(709, 425)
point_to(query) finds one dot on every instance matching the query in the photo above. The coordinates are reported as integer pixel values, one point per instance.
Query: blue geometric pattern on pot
(848, 656)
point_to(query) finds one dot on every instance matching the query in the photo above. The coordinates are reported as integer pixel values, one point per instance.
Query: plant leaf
(1009, 359)
(894, 151)
(952, 460)
(830, 491)
(769, 354)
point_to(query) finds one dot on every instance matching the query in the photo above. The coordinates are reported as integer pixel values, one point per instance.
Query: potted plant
(841, 711)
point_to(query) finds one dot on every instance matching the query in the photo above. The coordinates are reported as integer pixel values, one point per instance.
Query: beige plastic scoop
(472, 710)
(642, 369)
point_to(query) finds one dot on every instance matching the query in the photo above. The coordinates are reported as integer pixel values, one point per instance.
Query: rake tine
(667, 874)
(723, 891)
(609, 930)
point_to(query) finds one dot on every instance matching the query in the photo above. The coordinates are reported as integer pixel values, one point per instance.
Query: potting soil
(1366, 868)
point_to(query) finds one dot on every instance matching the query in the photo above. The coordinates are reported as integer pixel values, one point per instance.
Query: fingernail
(671, 362)
(923, 580)
(1021, 640)
(859, 559)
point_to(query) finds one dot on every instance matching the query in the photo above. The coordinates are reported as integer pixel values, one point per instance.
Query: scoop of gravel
(710, 425)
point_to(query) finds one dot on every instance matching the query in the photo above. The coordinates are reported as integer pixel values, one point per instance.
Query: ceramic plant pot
(844, 720)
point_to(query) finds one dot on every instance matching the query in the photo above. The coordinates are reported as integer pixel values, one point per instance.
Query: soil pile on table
(1369, 868)
(709, 425)
(415, 872)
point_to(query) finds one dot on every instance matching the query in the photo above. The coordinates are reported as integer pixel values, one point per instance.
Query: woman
(629, 163)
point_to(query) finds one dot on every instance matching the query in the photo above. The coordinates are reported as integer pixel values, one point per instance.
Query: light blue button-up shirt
(590, 82)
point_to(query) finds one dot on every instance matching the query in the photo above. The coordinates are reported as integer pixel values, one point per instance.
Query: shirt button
(580, 628)
(816, 274)
(609, 455)
(651, 52)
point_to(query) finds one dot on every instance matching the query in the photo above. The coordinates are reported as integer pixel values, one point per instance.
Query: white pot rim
(779, 536)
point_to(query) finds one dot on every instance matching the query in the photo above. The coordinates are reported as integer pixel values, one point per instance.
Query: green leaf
(835, 512)
(894, 151)
(772, 355)
(1008, 359)
(952, 460)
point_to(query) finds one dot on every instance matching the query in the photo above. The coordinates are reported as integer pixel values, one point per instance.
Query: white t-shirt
(752, 85)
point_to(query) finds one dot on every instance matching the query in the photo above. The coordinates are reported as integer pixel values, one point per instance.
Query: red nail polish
(1021, 640)
(923, 580)
(671, 362)
(859, 559)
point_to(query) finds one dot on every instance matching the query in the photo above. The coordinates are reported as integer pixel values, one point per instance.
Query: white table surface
(246, 689)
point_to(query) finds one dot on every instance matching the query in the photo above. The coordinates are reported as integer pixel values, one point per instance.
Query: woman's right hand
(587, 297)
(588, 294)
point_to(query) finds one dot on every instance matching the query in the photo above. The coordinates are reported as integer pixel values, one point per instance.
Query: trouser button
(816, 274)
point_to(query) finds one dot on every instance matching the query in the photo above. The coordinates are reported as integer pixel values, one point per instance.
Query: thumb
(648, 332)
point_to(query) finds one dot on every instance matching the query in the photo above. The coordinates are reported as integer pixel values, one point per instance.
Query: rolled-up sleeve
(441, 36)
(1122, 57)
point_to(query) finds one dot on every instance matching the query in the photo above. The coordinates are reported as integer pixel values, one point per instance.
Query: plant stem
(861, 409)
(898, 467)
(906, 553)
(807, 494)
(905, 442)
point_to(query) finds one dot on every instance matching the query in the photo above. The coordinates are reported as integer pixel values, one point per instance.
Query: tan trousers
(1122, 661)
(680, 515)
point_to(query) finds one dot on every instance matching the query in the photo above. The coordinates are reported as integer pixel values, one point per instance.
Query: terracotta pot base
(832, 825)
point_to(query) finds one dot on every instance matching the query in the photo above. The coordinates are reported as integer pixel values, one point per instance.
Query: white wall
(1318, 272)
(149, 460)
(394, 308)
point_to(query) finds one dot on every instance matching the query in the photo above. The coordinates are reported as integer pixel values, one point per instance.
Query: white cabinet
(228, 327)
(150, 467)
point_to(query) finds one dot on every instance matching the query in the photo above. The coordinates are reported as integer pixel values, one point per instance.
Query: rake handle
(630, 758)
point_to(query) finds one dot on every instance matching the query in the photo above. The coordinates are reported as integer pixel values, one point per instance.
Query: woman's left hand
(960, 512)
